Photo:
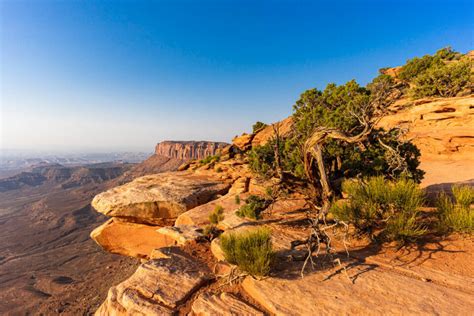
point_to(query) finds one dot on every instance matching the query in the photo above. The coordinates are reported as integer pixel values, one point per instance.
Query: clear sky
(116, 75)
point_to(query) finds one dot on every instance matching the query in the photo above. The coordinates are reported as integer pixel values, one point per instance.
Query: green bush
(210, 159)
(251, 251)
(216, 216)
(258, 126)
(442, 80)
(237, 199)
(254, 205)
(457, 215)
(390, 207)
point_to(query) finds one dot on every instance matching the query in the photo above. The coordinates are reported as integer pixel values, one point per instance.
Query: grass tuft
(456, 214)
(251, 250)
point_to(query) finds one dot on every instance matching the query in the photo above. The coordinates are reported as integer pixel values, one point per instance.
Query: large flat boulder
(158, 286)
(150, 199)
(200, 215)
(129, 239)
(374, 291)
(224, 304)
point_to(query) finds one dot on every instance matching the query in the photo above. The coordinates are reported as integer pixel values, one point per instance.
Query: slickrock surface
(224, 304)
(157, 287)
(186, 150)
(443, 130)
(375, 292)
(129, 239)
(152, 198)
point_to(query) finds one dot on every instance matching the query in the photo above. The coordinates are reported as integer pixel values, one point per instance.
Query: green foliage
(377, 204)
(219, 169)
(210, 159)
(237, 199)
(216, 216)
(442, 80)
(444, 74)
(254, 205)
(258, 126)
(334, 108)
(262, 159)
(251, 251)
(457, 215)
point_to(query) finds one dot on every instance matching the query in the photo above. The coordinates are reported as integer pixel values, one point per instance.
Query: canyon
(48, 263)
(160, 220)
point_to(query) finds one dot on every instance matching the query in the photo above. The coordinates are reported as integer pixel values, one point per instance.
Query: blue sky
(116, 75)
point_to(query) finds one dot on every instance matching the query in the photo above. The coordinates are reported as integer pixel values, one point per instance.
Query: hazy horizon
(107, 76)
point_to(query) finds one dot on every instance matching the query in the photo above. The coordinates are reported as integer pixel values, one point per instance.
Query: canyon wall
(186, 150)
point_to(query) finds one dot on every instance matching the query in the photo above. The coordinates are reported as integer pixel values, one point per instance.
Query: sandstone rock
(263, 136)
(129, 239)
(199, 216)
(217, 250)
(151, 198)
(181, 234)
(241, 185)
(442, 130)
(186, 150)
(223, 304)
(243, 142)
(157, 287)
(375, 292)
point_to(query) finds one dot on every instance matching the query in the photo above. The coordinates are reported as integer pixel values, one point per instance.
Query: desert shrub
(237, 199)
(254, 205)
(258, 126)
(442, 80)
(390, 207)
(444, 74)
(219, 169)
(334, 108)
(251, 251)
(217, 215)
(211, 231)
(456, 214)
(262, 159)
(210, 159)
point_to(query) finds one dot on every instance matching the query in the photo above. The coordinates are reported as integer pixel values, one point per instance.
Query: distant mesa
(186, 150)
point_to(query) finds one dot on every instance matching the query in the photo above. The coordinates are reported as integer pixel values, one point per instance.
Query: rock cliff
(186, 150)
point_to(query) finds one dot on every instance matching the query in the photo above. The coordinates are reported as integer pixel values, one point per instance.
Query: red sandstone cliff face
(185, 150)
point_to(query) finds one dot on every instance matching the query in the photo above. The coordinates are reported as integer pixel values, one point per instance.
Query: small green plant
(388, 207)
(218, 169)
(210, 159)
(457, 215)
(217, 216)
(251, 251)
(237, 199)
(254, 205)
(211, 231)
(258, 126)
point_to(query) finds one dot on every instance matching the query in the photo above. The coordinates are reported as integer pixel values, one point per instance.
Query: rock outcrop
(150, 199)
(224, 304)
(186, 150)
(443, 131)
(157, 287)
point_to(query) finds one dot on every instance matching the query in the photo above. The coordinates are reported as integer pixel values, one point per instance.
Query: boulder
(150, 199)
(243, 142)
(264, 135)
(181, 234)
(129, 239)
(224, 304)
(158, 286)
(199, 216)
